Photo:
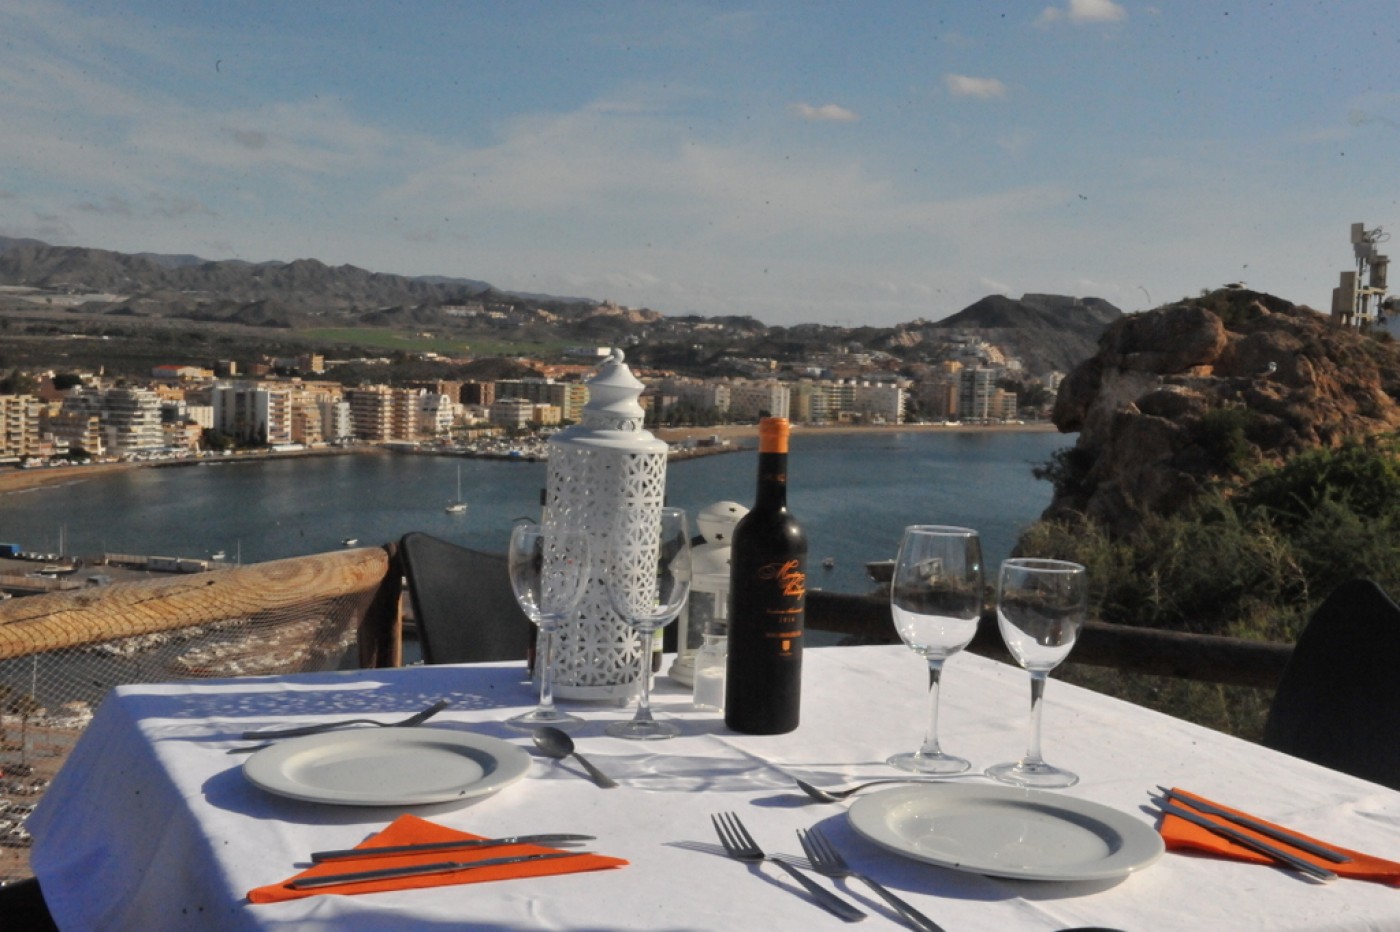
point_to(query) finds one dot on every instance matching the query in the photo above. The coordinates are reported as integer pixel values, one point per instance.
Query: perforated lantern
(599, 469)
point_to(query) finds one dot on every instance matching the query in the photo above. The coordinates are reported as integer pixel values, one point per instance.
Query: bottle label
(785, 616)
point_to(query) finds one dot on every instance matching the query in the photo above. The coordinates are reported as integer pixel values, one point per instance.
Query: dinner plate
(1004, 831)
(386, 766)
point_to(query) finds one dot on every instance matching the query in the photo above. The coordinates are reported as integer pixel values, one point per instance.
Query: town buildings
(186, 408)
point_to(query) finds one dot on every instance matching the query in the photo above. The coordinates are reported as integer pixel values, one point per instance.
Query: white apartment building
(436, 414)
(130, 419)
(252, 413)
(699, 393)
(879, 401)
(336, 424)
(749, 400)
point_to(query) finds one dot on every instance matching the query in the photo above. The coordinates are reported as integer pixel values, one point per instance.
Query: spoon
(834, 796)
(558, 745)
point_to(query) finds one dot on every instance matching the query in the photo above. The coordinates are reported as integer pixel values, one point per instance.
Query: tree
(18, 383)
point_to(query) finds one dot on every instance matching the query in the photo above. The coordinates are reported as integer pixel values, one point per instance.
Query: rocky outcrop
(1186, 394)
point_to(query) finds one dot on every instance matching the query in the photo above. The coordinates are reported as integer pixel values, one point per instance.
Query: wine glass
(936, 600)
(648, 583)
(549, 569)
(1040, 607)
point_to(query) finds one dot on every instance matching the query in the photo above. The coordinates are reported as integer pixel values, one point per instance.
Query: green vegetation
(371, 338)
(1251, 559)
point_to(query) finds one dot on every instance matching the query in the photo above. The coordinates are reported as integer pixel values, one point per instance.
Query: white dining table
(152, 825)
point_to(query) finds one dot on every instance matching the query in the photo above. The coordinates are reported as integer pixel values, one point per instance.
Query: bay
(853, 492)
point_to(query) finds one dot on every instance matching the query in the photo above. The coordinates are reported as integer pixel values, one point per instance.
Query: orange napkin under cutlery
(411, 830)
(1181, 835)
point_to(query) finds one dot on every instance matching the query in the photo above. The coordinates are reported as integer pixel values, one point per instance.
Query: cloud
(1084, 11)
(961, 85)
(119, 206)
(826, 113)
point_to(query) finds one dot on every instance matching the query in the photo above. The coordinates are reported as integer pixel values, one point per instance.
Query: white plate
(1003, 831)
(386, 766)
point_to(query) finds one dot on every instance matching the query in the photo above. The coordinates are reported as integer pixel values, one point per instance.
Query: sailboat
(457, 506)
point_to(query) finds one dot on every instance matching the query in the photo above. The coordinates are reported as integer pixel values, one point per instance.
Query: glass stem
(546, 657)
(1038, 678)
(644, 666)
(935, 674)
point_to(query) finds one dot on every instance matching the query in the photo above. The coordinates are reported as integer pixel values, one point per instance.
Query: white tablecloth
(151, 825)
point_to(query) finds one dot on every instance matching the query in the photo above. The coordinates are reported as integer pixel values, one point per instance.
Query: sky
(847, 163)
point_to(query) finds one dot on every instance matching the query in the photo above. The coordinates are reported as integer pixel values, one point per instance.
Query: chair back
(1338, 702)
(463, 602)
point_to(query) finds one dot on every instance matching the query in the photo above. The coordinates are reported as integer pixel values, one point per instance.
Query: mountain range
(1047, 332)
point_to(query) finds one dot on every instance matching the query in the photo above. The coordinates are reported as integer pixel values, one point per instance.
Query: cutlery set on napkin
(1194, 823)
(413, 852)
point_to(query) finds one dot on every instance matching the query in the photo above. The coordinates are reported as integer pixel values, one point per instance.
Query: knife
(351, 854)
(1249, 841)
(1263, 828)
(414, 870)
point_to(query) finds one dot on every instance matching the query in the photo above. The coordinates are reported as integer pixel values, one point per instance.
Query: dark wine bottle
(767, 593)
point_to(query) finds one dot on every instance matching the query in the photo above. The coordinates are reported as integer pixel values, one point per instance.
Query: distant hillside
(1047, 332)
(306, 282)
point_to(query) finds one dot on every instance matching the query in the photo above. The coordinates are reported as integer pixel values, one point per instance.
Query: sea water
(853, 492)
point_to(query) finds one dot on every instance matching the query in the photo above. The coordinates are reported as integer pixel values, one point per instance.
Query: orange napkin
(411, 830)
(1181, 835)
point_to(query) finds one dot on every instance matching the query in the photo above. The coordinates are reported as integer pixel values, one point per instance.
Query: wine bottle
(767, 590)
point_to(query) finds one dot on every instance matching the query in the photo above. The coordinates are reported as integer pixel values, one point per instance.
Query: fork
(831, 796)
(740, 846)
(827, 861)
(416, 718)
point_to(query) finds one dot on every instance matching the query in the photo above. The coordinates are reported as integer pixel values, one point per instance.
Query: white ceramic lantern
(605, 468)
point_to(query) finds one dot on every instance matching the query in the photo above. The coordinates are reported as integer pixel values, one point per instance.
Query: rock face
(1184, 394)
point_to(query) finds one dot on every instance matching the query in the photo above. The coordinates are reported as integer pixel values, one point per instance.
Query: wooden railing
(1231, 661)
(369, 579)
(348, 587)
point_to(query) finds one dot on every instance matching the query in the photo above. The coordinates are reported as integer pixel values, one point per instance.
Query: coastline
(15, 480)
(739, 432)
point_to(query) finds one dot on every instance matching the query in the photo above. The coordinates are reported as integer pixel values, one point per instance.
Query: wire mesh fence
(60, 654)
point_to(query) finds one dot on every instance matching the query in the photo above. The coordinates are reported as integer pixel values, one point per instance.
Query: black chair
(22, 908)
(463, 602)
(1338, 702)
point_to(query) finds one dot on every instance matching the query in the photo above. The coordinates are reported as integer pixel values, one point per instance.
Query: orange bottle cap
(773, 435)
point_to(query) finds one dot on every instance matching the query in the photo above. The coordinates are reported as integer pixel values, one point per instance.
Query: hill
(1186, 396)
(115, 295)
(1047, 332)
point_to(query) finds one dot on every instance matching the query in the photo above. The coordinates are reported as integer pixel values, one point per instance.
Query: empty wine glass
(549, 569)
(936, 600)
(1040, 608)
(648, 582)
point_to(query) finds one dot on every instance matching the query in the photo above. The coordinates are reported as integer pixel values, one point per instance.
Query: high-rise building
(253, 413)
(131, 421)
(750, 400)
(19, 425)
(976, 386)
(568, 397)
